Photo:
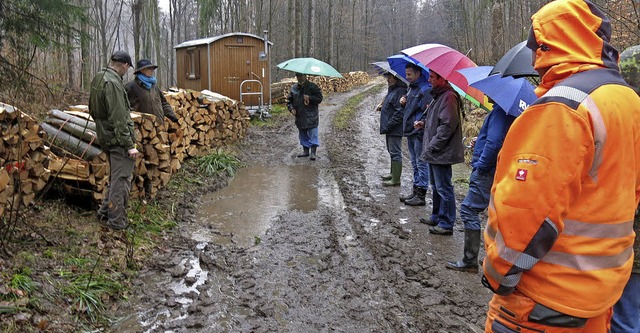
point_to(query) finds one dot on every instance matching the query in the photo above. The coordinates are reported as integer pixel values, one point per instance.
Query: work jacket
(442, 141)
(306, 115)
(109, 108)
(150, 101)
(490, 139)
(391, 112)
(567, 180)
(418, 97)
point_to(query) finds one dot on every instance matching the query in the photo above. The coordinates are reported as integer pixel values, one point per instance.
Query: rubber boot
(305, 152)
(312, 156)
(418, 199)
(469, 262)
(408, 196)
(389, 175)
(396, 171)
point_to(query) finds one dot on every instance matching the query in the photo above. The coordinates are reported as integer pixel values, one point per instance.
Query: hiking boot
(418, 199)
(408, 196)
(438, 230)
(305, 152)
(428, 222)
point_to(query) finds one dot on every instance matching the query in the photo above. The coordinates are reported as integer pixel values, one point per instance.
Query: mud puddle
(242, 212)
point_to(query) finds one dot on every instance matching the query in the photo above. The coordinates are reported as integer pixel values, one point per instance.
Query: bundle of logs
(206, 120)
(23, 159)
(280, 90)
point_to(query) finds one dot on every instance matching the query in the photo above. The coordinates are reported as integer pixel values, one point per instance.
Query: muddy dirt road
(293, 245)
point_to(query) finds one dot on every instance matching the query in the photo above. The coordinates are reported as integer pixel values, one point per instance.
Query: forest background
(50, 49)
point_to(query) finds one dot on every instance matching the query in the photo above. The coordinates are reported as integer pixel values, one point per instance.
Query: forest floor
(287, 245)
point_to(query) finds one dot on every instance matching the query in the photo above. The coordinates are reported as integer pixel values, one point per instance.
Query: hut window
(192, 64)
(240, 39)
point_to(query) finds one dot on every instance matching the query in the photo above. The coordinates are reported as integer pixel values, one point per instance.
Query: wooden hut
(236, 65)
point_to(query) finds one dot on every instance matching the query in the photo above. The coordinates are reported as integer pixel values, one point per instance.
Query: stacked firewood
(205, 120)
(280, 90)
(23, 159)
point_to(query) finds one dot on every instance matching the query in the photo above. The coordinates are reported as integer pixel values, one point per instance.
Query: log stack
(280, 90)
(23, 159)
(205, 120)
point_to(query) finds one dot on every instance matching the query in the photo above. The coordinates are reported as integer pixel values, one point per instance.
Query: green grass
(86, 293)
(348, 111)
(21, 280)
(217, 162)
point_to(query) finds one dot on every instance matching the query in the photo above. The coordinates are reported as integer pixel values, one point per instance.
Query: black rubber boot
(312, 156)
(418, 199)
(469, 262)
(305, 152)
(408, 196)
(396, 172)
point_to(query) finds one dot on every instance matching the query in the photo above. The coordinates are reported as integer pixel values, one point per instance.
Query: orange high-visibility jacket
(568, 176)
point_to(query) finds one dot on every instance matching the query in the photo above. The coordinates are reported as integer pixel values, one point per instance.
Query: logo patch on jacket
(521, 174)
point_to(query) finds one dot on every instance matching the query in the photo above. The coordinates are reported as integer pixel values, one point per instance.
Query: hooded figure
(559, 236)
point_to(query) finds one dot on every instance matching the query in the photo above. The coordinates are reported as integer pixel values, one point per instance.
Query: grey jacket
(442, 140)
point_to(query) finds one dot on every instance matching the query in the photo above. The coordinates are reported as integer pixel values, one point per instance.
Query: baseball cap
(123, 57)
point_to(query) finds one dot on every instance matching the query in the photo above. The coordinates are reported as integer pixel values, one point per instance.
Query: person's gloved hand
(173, 119)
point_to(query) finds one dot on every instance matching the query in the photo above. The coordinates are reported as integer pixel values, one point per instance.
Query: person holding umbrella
(559, 238)
(441, 148)
(414, 103)
(391, 126)
(302, 102)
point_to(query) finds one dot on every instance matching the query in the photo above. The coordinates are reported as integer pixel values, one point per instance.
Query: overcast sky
(164, 5)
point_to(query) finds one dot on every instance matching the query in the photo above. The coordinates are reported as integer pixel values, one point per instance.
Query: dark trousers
(116, 198)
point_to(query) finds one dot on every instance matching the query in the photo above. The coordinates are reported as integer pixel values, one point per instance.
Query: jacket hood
(570, 36)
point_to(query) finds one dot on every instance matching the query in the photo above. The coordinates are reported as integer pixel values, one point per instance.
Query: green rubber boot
(396, 172)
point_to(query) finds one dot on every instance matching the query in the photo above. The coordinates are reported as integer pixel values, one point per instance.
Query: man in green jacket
(109, 107)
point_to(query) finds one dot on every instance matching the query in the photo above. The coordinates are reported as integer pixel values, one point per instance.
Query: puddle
(243, 211)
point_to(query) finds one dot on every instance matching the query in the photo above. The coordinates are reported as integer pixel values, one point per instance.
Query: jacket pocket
(499, 327)
(546, 316)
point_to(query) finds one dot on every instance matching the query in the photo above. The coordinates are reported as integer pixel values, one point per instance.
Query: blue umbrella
(398, 64)
(384, 67)
(512, 95)
(475, 74)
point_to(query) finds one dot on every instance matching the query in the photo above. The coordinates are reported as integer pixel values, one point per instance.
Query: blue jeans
(394, 147)
(421, 173)
(308, 137)
(444, 200)
(477, 199)
(626, 313)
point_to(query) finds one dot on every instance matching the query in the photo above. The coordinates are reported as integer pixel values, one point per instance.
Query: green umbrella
(309, 66)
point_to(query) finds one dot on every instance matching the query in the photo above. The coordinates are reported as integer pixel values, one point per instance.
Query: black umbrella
(516, 62)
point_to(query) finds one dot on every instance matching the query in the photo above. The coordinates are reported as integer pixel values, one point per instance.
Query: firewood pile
(23, 159)
(206, 120)
(280, 90)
